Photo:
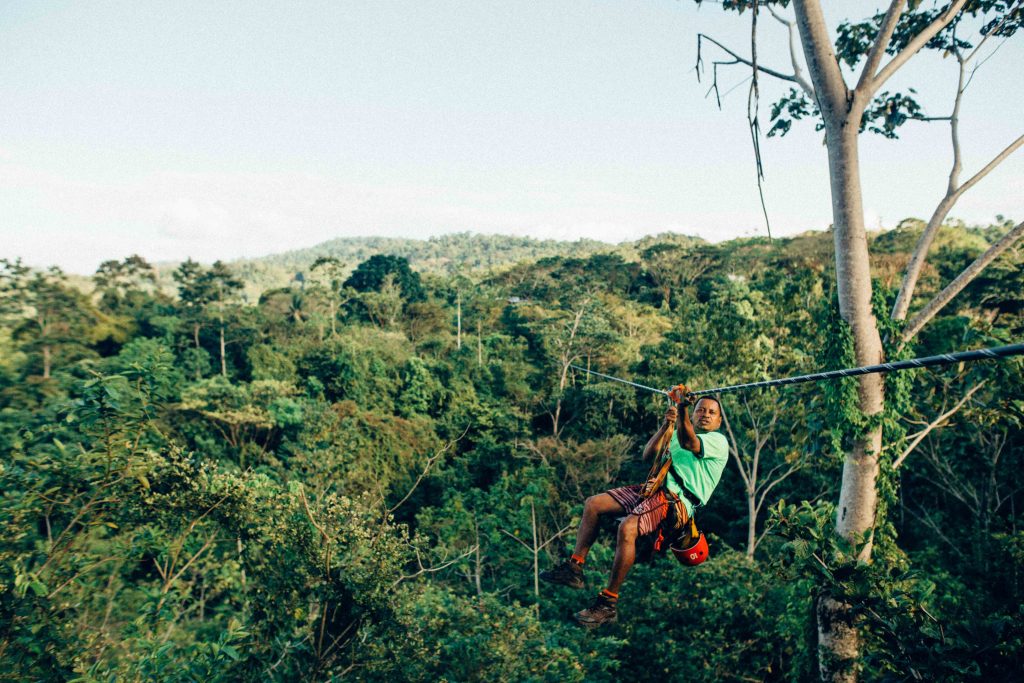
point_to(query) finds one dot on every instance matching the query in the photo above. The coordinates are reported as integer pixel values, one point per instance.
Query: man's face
(707, 417)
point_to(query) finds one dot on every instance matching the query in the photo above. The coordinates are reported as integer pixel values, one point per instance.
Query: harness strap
(660, 467)
(690, 495)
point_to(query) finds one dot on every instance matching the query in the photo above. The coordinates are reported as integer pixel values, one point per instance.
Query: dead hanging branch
(737, 59)
(753, 107)
(753, 94)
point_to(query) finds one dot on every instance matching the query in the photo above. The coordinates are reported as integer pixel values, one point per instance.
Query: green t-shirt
(700, 474)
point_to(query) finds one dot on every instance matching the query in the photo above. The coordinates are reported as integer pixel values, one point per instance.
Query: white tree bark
(842, 111)
(838, 640)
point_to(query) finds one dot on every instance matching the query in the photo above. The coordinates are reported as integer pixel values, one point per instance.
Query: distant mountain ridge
(443, 254)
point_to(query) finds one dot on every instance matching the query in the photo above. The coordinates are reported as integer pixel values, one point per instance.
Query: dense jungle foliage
(360, 474)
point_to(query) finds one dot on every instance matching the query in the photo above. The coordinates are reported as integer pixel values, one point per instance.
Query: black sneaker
(568, 573)
(601, 611)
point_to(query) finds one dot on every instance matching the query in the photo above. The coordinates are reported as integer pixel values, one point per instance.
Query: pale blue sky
(222, 130)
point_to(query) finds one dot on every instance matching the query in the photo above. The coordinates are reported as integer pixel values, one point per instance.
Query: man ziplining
(688, 464)
(687, 473)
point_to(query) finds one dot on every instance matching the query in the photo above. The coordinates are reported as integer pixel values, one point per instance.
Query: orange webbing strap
(659, 468)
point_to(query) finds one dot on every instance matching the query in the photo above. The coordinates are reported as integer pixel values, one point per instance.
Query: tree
(372, 274)
(206, 293)
(575, 332)
(117, 281)
(47, 313)
(223, 285)
(843, 113)
(328, 271)
(194, 295)
(672, 266)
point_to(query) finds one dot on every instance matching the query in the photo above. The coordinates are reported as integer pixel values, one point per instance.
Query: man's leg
(625, 553)
(603, 609)
(593, 508)
(570, 572)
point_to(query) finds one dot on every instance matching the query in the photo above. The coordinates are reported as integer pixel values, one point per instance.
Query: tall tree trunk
(195, 333)
(458, 321)
(838, 640)
(857, 498)
(568, 357)
(47, 360)
(223, 362)
(841, 109)
(751, 523)
(478, 563)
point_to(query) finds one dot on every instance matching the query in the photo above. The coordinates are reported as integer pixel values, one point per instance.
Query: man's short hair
(709, 398)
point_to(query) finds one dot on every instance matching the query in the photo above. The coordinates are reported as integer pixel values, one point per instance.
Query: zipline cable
(927, 361)
(624, 381)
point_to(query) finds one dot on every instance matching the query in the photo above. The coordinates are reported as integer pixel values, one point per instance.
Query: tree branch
(734, 450)
(937, 422)
(892, 17)
(743, 60)
(954, 191)
(926, 518)
(798, 73)
(517, 539)
(429, 570)
(915, 44)
(830, 88)
(998, 159)
(557, 536)
(962, 280)
(426, 468)
(87, 569)
(764, 493)
(992, 32)
(309, 515)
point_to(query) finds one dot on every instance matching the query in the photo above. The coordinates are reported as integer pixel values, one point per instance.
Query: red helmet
(693, 555)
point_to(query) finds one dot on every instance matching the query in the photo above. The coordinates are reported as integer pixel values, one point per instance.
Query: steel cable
(913, 363)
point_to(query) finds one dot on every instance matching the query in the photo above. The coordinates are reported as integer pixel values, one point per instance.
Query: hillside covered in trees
(359, 473)
(451, 254)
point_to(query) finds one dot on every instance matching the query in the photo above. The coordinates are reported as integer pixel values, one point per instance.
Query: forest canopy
(357, 472)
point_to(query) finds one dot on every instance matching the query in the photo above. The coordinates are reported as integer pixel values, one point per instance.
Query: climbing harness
(928, 361)
(697, 545)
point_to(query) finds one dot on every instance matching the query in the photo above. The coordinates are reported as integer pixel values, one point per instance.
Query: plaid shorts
(651, 511)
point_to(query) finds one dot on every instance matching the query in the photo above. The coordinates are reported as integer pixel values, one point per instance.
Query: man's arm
(686, 434)
(657, 442)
